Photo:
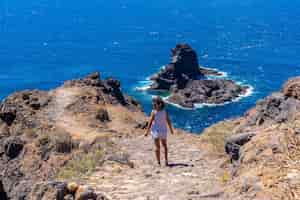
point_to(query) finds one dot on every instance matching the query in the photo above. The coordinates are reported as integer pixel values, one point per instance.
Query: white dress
(159, 125)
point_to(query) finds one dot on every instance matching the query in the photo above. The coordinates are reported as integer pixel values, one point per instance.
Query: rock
(13, 147)
(276, 108)
(142, 125)
(234, 143)
(7, 115)
(4, 130)
(292, 88)
(85, 193)
(102, 115)
(93, 80)
(185, 60)
(49, 191)
(63, 142)
(3, 195)
(35, 133)
(188, 84)
(206, 91)
(184, 66)
(112, 86)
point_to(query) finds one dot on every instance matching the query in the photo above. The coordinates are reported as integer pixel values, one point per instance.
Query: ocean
(45, 42)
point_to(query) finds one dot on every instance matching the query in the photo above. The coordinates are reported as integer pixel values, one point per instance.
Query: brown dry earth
(190, 175)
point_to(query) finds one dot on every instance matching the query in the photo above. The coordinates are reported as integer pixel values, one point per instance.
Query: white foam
(176, 105)
(223, 74)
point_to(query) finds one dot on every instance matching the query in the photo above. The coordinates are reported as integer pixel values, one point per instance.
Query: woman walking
(158, 126)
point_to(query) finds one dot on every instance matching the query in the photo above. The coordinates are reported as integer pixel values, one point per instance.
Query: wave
(176, 105)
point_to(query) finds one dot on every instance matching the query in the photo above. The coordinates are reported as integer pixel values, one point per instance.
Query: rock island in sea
(188, 83)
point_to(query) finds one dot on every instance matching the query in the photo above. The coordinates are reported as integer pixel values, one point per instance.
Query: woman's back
(160, 121)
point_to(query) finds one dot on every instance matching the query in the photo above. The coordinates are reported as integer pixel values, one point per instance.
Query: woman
(159, 120)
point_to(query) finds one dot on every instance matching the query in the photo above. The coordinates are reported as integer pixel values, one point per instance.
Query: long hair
(158, 103)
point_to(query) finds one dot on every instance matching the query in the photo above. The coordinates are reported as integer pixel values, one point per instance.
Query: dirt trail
(190, 177)
(64, 97)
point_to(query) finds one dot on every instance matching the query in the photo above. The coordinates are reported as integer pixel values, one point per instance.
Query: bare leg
(165, 145)
(157, 150)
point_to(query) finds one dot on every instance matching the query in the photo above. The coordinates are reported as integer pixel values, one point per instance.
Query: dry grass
(216, 135)
(81, 165)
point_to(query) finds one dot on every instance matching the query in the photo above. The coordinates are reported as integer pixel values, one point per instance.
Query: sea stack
(188, 83)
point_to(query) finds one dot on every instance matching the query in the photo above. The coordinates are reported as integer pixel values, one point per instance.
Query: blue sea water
(45, 42)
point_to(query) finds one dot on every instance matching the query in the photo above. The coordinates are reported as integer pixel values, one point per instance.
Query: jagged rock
(7, 115)
(184, 66)
(112, 86)
(206, 91)
(234, 143)
(188, 84)
(13, 147)
(49, 191)
(292, 88)
(102, 115)
(276, 108)
(93, 79)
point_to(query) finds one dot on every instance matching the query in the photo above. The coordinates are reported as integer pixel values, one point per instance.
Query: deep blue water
(44, 42)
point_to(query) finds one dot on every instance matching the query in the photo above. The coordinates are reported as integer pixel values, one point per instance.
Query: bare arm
(149, 123)
(169, 123)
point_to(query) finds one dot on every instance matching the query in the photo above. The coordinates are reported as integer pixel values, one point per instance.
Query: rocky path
(191, 176)
(64, 97)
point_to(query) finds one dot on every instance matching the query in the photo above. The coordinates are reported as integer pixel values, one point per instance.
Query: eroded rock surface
(265, 143)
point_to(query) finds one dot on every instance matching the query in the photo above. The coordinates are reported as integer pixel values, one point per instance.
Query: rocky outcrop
(184, 66)
(187, 82)
(206, 91)
(265, 146)
(109, 90)
(41, 132)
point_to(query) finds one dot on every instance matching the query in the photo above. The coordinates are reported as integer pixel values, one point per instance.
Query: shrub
(81, 165)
